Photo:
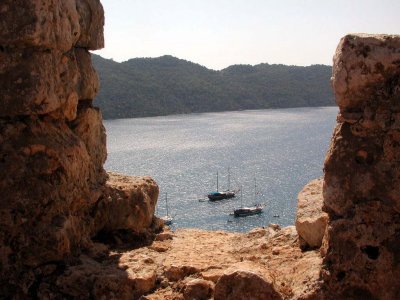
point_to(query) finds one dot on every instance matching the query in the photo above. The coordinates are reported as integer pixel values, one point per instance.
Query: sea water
(271, 154)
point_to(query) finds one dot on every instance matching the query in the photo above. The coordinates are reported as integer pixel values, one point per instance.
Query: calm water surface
(282, 148)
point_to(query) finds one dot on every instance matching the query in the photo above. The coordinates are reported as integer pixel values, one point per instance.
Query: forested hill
(167, 85)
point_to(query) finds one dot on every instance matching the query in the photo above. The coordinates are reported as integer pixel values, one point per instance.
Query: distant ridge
(166, 85)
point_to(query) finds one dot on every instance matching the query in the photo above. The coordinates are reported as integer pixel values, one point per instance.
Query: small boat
(250, 210)
(215, 196)
(167, 219)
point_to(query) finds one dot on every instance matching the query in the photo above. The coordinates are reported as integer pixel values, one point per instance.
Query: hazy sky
(219, 33)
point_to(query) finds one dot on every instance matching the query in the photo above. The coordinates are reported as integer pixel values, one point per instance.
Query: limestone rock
(127, 203)
(52, 24)
(91, 279)
(38, 82)
(91, 24)
(88, 126)
(164, 236)
(241, 285)
(178, 272)
(198, 289)
(88, 83)
(361, 62)
(44, 175)
(48, 24)
(141, 270)
(362, 172)
(310, 219)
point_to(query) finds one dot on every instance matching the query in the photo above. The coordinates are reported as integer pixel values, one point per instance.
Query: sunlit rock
(310, 219)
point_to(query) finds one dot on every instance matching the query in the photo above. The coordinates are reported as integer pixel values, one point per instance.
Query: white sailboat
(167, 219)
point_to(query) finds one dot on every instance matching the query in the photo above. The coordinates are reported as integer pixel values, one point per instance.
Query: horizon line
(236, 64)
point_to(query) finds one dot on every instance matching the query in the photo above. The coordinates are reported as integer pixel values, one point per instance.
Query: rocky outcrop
(311, 221)
(52, 150)
(127, 203)
(362, 172)
(198, 289)
(265, 263)
(242, 284)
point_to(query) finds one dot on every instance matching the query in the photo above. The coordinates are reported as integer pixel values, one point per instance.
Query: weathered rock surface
(88, 126)
(91, 24)
(38, 82)
(198, 289)
(311, 221)
(127, 203)
(88, 83)
(49, 24)
(362, 171)
(52, 24)
(241, 285)
(245, 268)
(361, 65)
(55, 199)
(187, 256)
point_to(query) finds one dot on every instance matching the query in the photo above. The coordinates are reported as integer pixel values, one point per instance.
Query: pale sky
(219, 33)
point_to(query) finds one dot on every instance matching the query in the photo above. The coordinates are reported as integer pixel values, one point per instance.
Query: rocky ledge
(265, 263)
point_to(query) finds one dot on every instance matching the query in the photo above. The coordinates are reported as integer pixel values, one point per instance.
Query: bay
(282, 148)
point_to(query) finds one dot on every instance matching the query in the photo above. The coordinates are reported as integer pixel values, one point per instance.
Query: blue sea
(271, 154)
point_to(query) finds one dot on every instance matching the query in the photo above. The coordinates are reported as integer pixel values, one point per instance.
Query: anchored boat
(167, 219)
(249, 210)
(215, 196)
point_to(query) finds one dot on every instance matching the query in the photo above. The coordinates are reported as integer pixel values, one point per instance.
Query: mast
(229, 179)
(255, 188)
(217, 181)
(166, 202)
(241, 196)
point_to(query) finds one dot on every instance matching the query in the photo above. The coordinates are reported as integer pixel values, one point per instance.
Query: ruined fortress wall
(52, 141)
(362, 172)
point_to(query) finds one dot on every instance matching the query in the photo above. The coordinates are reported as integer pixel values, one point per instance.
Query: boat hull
(244, 212)
(220, 196)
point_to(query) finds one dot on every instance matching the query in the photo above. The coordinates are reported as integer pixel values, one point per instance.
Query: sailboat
(167, 219)
(215, 196)
(250, 210)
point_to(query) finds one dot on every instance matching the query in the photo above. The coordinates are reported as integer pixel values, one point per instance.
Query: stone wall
(53, 142)
(362, 172)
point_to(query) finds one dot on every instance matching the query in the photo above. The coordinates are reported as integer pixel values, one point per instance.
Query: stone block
(88, 126)
(47, 24)
(362, 64)
(44, 175)
(91, 20)
(38, 82)
(128, 202)
(243, 284)
(88, 83)
(311, 221)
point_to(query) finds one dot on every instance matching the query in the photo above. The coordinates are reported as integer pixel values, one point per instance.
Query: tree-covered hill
(167, 85)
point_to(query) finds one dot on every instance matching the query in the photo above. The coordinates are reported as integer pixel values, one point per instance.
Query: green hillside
(167, 85)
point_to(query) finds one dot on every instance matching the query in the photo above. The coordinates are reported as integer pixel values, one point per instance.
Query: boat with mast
(167, 219)
(250, 210)
(215, 196)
